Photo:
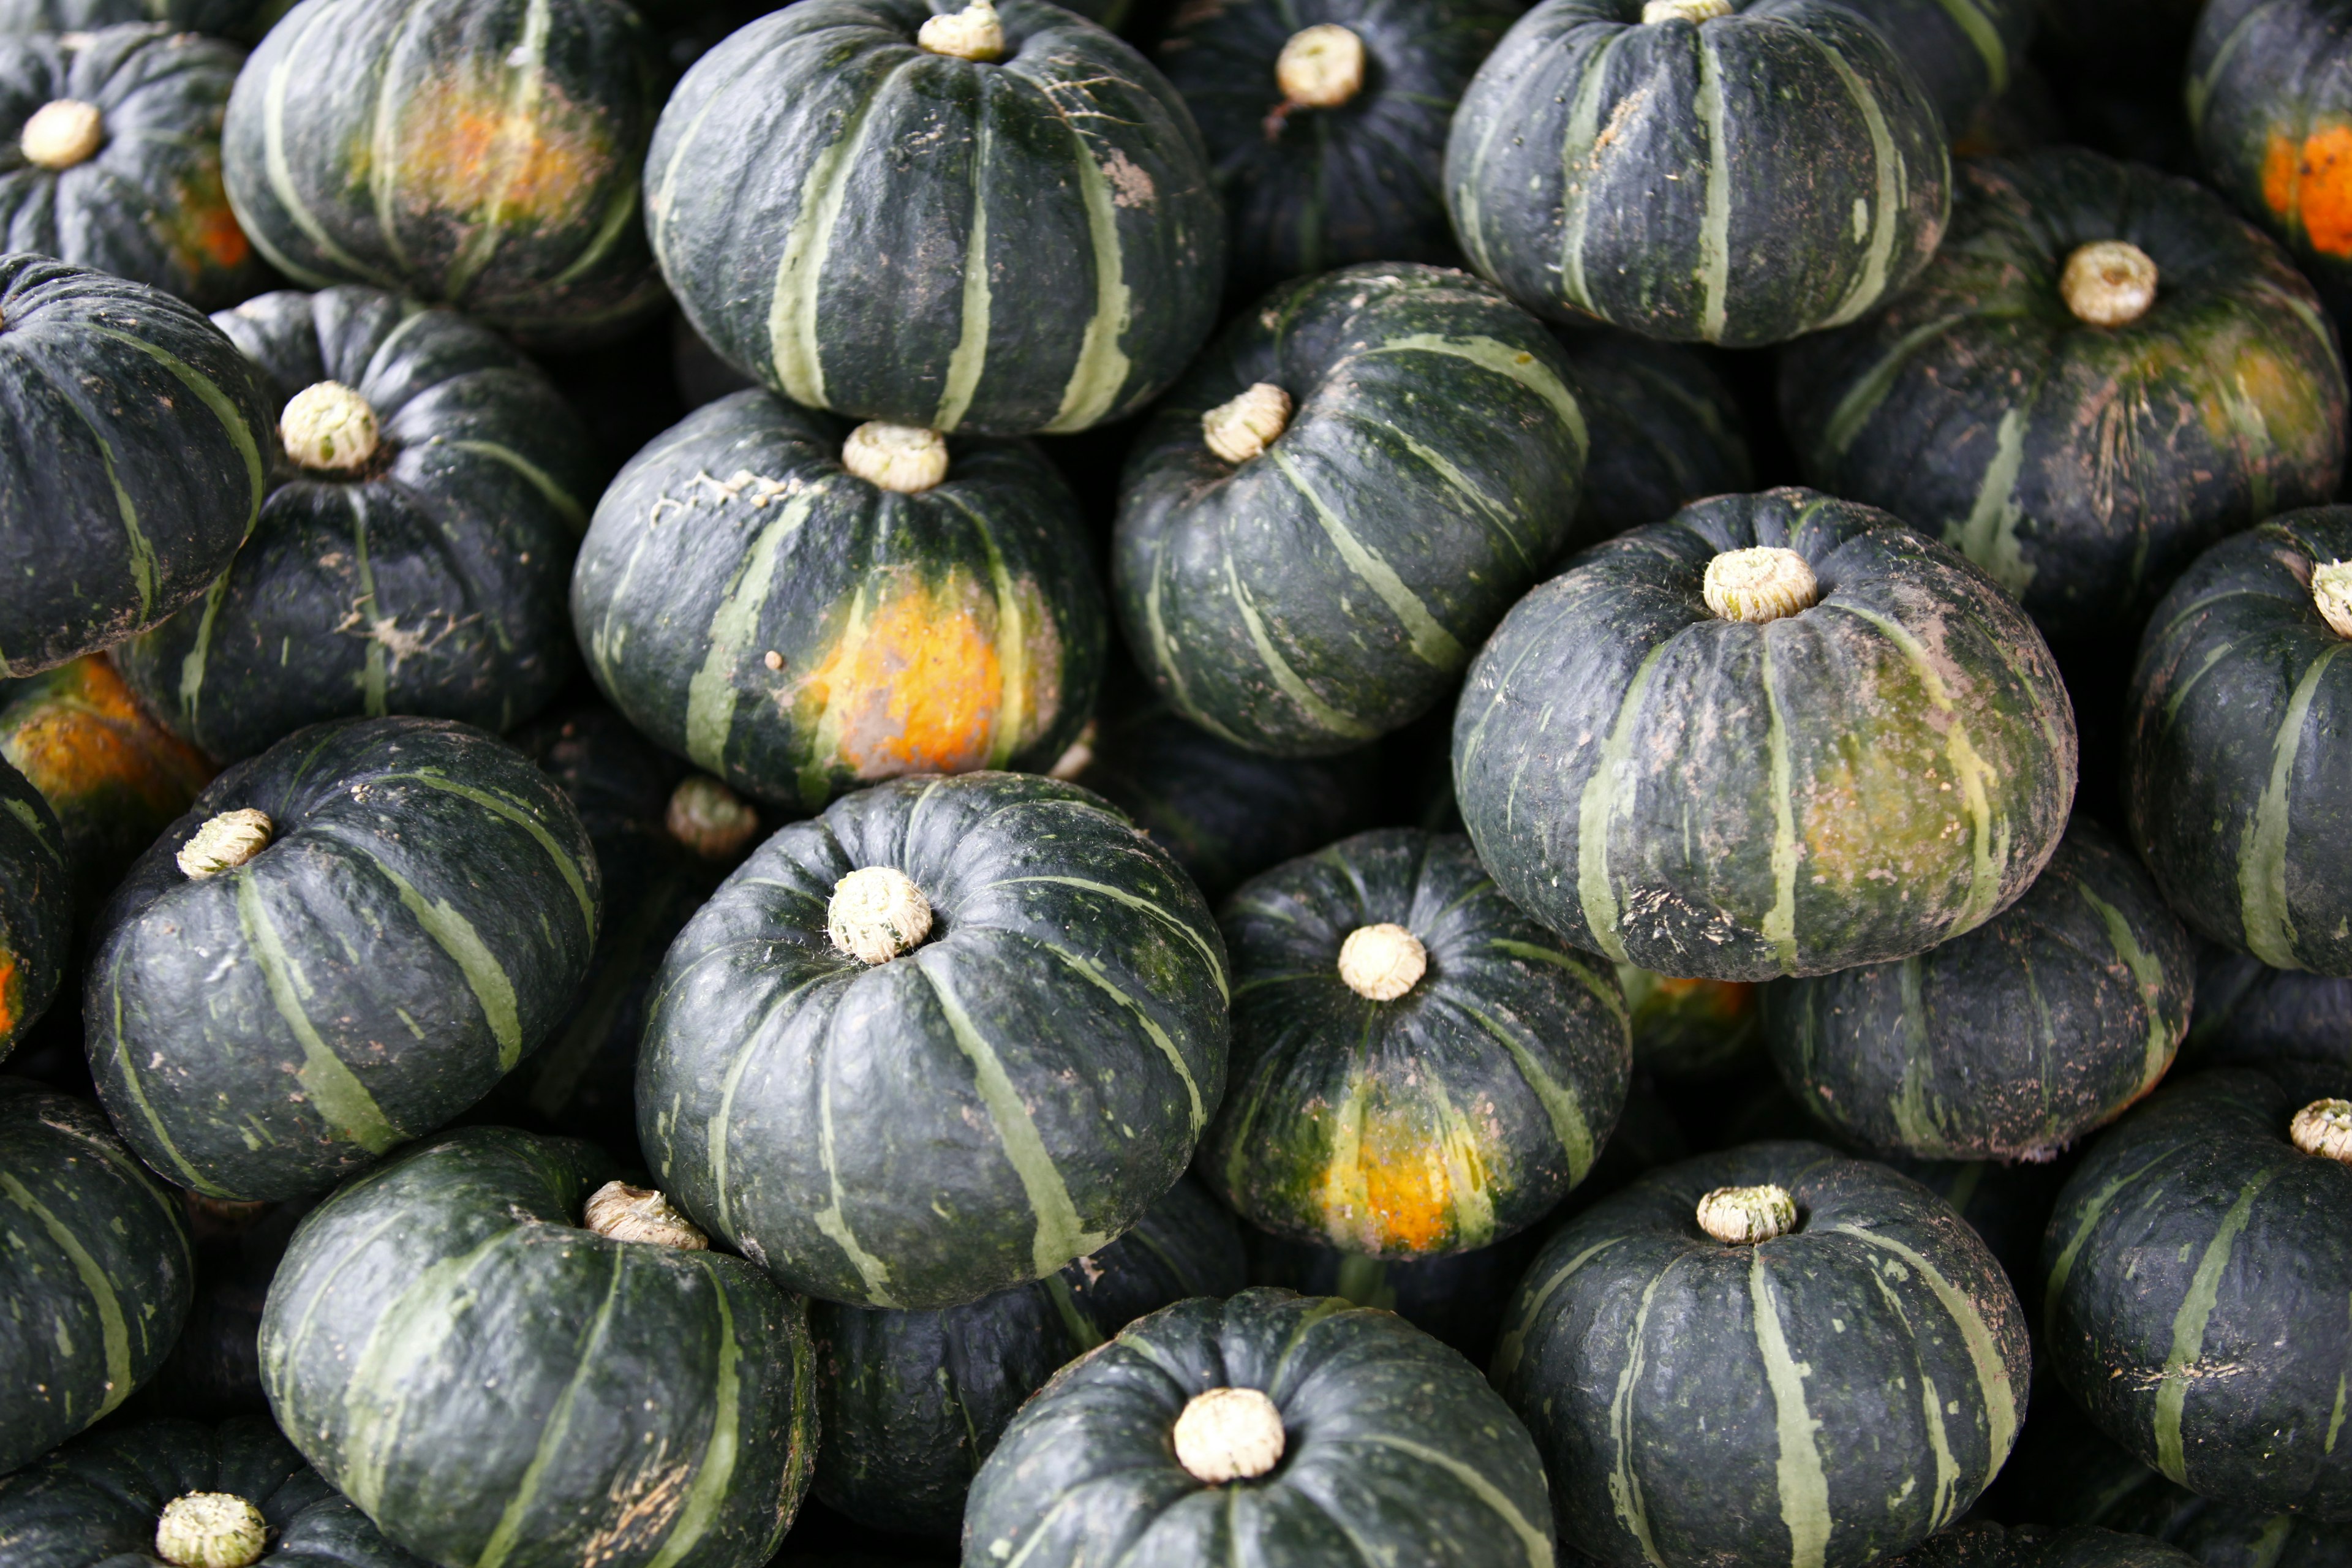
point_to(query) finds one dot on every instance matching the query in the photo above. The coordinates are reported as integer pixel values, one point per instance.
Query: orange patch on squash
(2310, 184)
(916, 684)
(1724, 999)
(464, 148)
(11, 989)
(1406, 1188)
(87, 736)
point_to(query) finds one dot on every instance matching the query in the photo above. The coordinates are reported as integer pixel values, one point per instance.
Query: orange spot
(464, 148)
(1724, 999)
(220, 238)
(84, 736)
(11, 989)
(1406, 1188)
(2310, 186)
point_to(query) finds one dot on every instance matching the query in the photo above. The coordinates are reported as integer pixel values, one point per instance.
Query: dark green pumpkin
(1427, 475)
(749, 604)
(1964, 52)
(245, 20)
(2248, 1013)
(1666, 430)
(1688, 1030)
(480, 153)
(36, 905)
(1845, 785)
(2240, 729)
(910, 1403)
(134, 460)
(1828, 1397)
(864, 225)
(420, 917)
(1980, 1543)
(1438, 1119)
(2083, 466)
(1742, 179)
(1457, 1298)
(96, 1267)
(492, 1383)
(1392, 1443)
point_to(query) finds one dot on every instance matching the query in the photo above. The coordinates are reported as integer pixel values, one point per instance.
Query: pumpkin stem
(1228, 1435)
(1383, 962)
(710, 819)
(877, 913)
(1741, 1217)
(906, 458)
(224, 843)
(2109, 283)
(1656, 11)
(210, 1530)
(1241, 429)
(2331, 590)
(973, 33)
(328, 429)
(1759, 584)
(1321, 67)
(62, 132)
(624, 1213)
(2325, 1128)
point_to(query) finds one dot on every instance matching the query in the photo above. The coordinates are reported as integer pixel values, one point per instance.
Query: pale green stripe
(2147, 974)
(1914, 1122)
(2064, 1269)
(527, 61)
(1804, 1487)
(1535, 1543)
(1986, 37)
(385, 165)
(2188, 1330)
(1208, 954)
(618, 212)
(1578, 138)
(1987, 535)
(711, 1480)
(970, 355)
(1854, 410)
(1976, 1334)
(224, 408)
(832, 1222)
(499, 805)
(140, 553)
(1288, 681)
(189, 1176)
(1102, 366)
(192, 663)
(1609, 994)
(1598, 805)
(1780, 920)
(1431, 643)
(1012, 643)
(555, 1438)
(1715, 220)
(795, 348)
(2261, 865)
(114, 1333)
(1158, 1035)
(1513, 364)
(280, 176)
(539, 478)
(1503, 517)
(1561, 1106)
(1625, 1499)
(332, 1086)
(1872, 284)
(485, 976)
(711, 692)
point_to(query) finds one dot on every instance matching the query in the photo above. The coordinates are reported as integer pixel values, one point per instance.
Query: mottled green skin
(1666, 430)
(975, 1113)
(1727, 800)
(1002, 247)
(1440, 1121)
(480, 153)
(132, 464)
(246, 19)
(2235, 783)
(1764, 173)
(96, 1267)
(431, 581)
(36, 905)
(1829, 1397)
(420, 919)
(910, 1403)
(2248, 1013)
(492, 1384)
(2083, 466)
(2198, 1267)
(2010, 1042)
(1979, 1543)
(1332, 588)
(1964, 52)
(1392, 1442)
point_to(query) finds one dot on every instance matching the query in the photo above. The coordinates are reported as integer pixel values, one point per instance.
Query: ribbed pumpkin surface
(36, 905)
(2249, 1013)
(1966, 53)
(1666, 430)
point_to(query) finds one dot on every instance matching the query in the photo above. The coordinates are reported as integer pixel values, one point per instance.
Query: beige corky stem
(2108, 283)
(211, 1529)
(902, 457)
(1383, 962)
(1744, 1216)
(1759, 584)
(1240, 429)
(328, 429)
(1656, 11)
(2325, 1128)
(877, 913)
(624, 1213)
(1228, 1435)
(710, 819)
(224, 843)
(1321, 67)
(2331, 590)
(62, 133)
(973, 33)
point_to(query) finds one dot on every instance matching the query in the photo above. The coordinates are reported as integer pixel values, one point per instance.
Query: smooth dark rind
(421, 918)
(1964, 52)
(36, 905)
(489, 1382)
(1058, 200)
(1980, 1543)
(1666, 431)
(2248, 1013)
(1710, 798)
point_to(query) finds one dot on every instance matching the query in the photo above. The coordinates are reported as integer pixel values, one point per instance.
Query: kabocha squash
(1965, 54)
(1767, 1355)
(36, 905)
(2236, 752)
(2103, 371)
(95, 1263)
(1776, 734)
(1270, 1427)
(480, 153)
(1044, 175)
(1320, 523)
(2010, 1042)
(510, 1295)
(1666, 430)
(910, 1403)
(1417, 1067)
(134, 461)
(1738, 173)
(801, 610)
(1690, 1029)
(347, 941)
(1980, 1543)
(2248, 1013)
(942, 1040)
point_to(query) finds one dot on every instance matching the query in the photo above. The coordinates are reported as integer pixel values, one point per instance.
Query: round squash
(36, 905)
(2239, 736)
(96, 1265)
(347, 942)
(416, 544)
(2248, 1013)
(1980, 1543)
(1394, 451)
(1417, 1067)
(134, 462)
(1055, 194)
(1769, 169)
(792, 613)
(1337, 1425)
(1776, 734)
(1768, 1355)
(910, 1403)
(1666, 430)
(1965, 54)
(2080, 422)
(507, 1303)
(1691, 1030)
(480, 153)
(943, 1039)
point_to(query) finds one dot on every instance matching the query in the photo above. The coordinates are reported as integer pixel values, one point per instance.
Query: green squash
(480, 153)
(1418, 450)
(2080, 443)
(910, 1403)
(417, 918)
(1384, 1437)
(36, 905)
(536, 1389)
(1766, 171)
(1058, 199)
(1418, 1068)
(1883, 760)
(242, 19)
(756, 606)
(1691, 1030)
(117, 506)
(1456, 1298)
(1966, 53)
(2248, 1013)
(96, 1266)
(1980, 1543)
(2235, 751)
(1831, 1394)
(418, 568)
(1666, 430)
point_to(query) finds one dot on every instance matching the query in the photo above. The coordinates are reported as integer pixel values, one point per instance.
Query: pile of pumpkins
(1275, 783)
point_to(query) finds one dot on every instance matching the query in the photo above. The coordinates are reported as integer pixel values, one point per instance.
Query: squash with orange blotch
(36, 911)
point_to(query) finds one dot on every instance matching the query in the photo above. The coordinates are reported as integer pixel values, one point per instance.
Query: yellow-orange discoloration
(465, 147)
(85, 736)
(1727, 1000)
(2309, 184)
(11, 999)
(1399, 1180)
(1872, 818)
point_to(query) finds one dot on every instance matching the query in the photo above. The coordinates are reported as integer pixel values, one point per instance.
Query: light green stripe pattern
(2262, 858)
(1804, 1486)
(2188, 1330)
(341, 1099)
(114, 1332)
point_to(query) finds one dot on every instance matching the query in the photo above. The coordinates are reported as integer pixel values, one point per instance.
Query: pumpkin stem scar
(877, 913)
(1228, 1435)
(710, 819)
(1382, 962)
(1243, 427)
(903, 459)
(328, 429)
(1320, 66)
(2331, 590)
(1654, 11)
(2324, 1128)
(62, 132)
(1759, 584)
(210, 1530)
(1741, 1217)
(2108, 283)
(224, 843)
(620, 1211)
(974, 33)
